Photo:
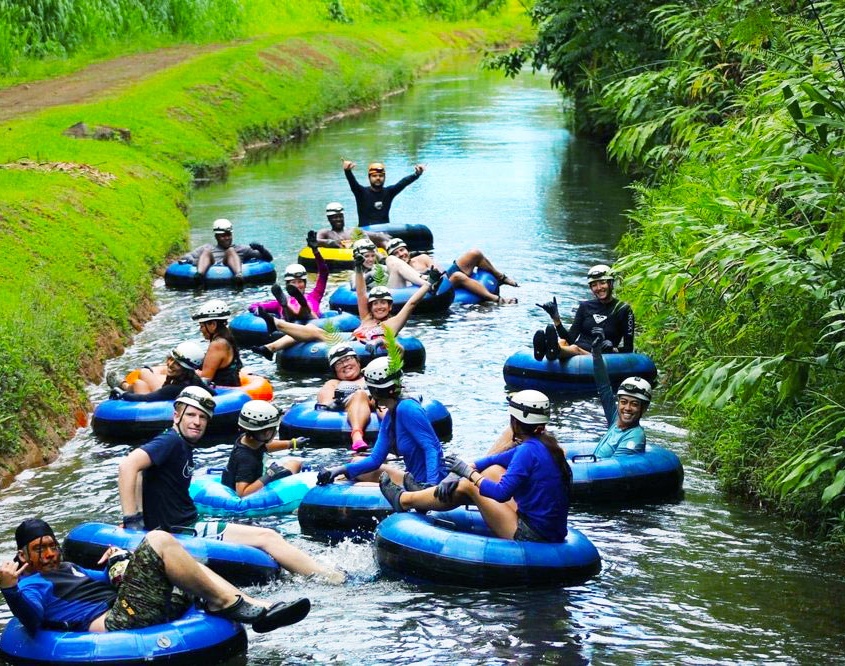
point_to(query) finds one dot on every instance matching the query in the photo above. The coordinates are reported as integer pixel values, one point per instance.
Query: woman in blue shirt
(522, 493)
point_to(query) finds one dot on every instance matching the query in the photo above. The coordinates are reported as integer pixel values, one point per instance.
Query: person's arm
(26, 605)
(379, 239)
(325, 239)
(398, 321)
(166, 392)
(626, 345)
(215, 358)
(192, 256)
(517, 474)
(578, 326)
(316, 294)
(396, 188)
(608, 400)
(502, 458)
(354, 185)
(127, 480)
(361, 294)
(377, 456)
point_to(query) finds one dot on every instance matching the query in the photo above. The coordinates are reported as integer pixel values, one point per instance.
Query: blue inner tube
(457, 548)
(212, 498)
(417, 237)
(653, 475)
(331, 428)
(251, 330)
(256, 271)
(121, 421)
(344, 298)
(464, 297)
(313, 357)
(342, 510)
(240, 565)
(574, 376)
(195, 638)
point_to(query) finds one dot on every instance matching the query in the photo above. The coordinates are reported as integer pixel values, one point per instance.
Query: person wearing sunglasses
(373, 202)
(604, 313)
(165, 465)
(179, 371)
(225, 252)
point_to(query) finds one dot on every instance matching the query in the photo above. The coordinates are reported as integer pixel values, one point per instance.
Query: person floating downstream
(612, 317)
(166, 464)
(405, 431)
(245, 473)
(161, 382)
(374, 202)
(522, 493)
(224, 252)
(302, 305)
(136, 590)
(347, 391)
(404, 268)
(222, 362)
(338, 236)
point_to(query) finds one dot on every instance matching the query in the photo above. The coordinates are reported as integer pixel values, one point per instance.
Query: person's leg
(475, 258)
(148, 381)
(401, 273)
(572, 350)
(304, 307)
(462, 281)
(293, 333)
(358, 414)
(294, 465)
(233, 260)
(204, 262)
(325, 396)
(272, 543)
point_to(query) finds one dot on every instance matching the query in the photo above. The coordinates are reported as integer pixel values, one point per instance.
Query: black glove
(359, 262)
(551, 308)
(446, 488)
(263, 251)
(598, 337)
(459, 467)
(327, 475)
(274, 472)
(372, 348)
(311, 239)
(607, 346)
(116, 393)
(134, 522)
(299, 443)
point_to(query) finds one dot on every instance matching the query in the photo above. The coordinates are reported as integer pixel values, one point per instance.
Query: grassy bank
(87, 221)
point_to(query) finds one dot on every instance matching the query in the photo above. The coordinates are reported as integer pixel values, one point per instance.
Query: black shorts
(524, 532)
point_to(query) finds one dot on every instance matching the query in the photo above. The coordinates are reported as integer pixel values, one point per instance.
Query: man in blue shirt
(135, 591)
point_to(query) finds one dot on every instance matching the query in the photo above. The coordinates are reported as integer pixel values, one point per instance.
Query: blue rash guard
(535, 482)
(69, 597)
(407, 432)
(616, 442)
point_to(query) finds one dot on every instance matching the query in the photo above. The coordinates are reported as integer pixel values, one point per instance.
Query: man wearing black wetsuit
(373, 202)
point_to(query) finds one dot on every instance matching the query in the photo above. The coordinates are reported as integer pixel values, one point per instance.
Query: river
(701, 581)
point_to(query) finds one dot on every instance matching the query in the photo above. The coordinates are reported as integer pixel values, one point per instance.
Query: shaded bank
(89, 220)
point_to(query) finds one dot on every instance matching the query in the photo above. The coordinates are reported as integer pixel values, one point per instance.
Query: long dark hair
(550, 442)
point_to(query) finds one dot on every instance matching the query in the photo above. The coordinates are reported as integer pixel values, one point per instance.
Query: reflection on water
(701, 581)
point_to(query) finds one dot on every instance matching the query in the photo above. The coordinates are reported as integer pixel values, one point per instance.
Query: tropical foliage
(736, 125)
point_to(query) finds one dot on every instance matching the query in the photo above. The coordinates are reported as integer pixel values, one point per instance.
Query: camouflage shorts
(145, 596)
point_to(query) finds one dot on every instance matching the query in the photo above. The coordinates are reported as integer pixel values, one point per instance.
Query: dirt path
(93, 81)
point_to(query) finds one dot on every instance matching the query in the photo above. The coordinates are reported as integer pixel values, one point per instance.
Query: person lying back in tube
(161, 382)
(347, 392)
(338, 236)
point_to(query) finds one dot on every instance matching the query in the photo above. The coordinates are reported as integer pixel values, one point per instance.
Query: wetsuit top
(615, 442)
(374, 207)
(229, 375)
(167, 503)
(535, 482)
(313, 297)
(245, 252)
(245, 464)
(615, 317)
(406, 431)
(69, 598)
(168, 391)
(369, 334)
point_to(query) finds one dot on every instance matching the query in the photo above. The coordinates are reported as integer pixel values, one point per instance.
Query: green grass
(80, 251)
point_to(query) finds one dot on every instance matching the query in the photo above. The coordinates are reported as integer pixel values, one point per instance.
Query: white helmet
(363, 245)
(394, 244)
(339, 351)
(295, 272)
(259, 415)
(222, 226)
(189, 355)
(599, 272)
(196, 397)
(212, 310)
(334, 208)
(529, 407)
(636, 387)
(378, 375)
(379, 293)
